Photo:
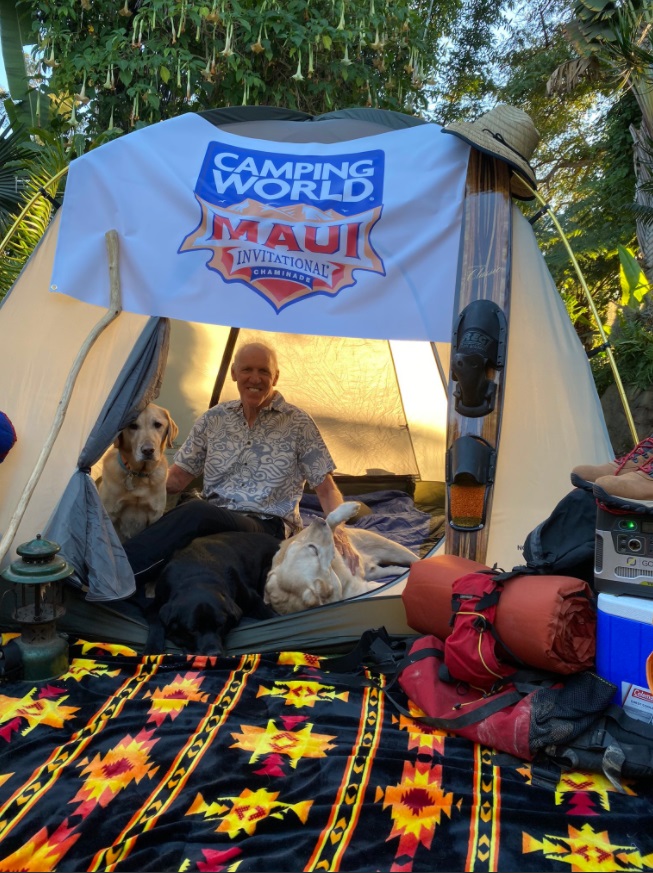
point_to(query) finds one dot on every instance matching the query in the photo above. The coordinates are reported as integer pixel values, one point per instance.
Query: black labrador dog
(207, 587)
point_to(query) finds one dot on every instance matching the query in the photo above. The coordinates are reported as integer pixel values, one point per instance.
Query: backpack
(522, 715)
(557, 722)
(473, 651)
(563, 544)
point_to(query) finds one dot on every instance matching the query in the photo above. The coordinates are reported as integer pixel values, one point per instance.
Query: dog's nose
(147, 451)
(212, 649)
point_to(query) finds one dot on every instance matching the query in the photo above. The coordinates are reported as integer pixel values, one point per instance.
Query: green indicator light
(631, 525)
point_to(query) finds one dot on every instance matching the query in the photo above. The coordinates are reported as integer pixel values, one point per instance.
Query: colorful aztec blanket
(267, 763)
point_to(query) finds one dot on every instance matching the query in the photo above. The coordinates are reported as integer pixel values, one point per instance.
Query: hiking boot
(585, 475)
(635, 486)
(620, 505)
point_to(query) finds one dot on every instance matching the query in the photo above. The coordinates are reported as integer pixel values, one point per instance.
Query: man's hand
(344, 546)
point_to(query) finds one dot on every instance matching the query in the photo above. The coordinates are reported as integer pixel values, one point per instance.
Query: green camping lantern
(37, 579)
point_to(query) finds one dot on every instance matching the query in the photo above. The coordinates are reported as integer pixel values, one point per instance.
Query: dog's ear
(117, 443)
(173, 430)
(165, 613)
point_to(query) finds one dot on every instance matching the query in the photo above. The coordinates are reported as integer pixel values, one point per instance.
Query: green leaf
(598, 5)
(634, 286)
(15, 33)
(164, 72)
(327, 42)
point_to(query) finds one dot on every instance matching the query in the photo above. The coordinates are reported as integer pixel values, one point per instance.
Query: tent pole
(597, 319)
(224, 366)
(115, 308)
(438, 363)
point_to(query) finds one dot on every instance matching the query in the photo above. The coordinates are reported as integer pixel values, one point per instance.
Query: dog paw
(342, 513)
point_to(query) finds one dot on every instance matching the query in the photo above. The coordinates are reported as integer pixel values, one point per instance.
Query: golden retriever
(134, 470)
(308, 571)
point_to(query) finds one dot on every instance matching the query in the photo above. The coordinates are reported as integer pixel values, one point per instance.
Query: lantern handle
(115, 308)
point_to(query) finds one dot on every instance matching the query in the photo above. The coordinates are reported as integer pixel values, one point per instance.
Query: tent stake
(115, 308)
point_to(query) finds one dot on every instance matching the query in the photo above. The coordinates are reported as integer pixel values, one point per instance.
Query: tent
(366, 351)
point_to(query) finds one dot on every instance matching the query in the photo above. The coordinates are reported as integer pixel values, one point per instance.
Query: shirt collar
(278, 404)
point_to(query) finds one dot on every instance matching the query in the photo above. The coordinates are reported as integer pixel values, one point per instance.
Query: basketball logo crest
(288, 226)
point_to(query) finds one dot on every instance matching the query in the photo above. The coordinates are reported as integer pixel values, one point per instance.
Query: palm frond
(44, 177)
(568, 76)
(14, 152)
(643, 213)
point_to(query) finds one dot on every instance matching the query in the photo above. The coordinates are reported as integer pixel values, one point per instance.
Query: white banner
(357, 238)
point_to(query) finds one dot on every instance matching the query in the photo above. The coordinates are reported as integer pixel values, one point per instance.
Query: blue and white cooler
(623, 578)
(624, 640)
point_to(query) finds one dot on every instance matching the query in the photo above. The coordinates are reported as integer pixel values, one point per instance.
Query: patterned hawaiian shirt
(262, 469)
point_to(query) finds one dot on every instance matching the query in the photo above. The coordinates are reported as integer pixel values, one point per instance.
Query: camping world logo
(288, 226)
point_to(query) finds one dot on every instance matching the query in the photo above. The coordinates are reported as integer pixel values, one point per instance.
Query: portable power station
(623, 555)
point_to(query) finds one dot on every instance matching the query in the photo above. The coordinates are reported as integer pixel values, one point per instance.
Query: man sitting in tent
(255, 456)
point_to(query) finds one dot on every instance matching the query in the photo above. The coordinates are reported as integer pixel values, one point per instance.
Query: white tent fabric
(380, 402)
(552, 417)
(40, 337)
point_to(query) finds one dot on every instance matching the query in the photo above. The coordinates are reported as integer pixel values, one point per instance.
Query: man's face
(255, 374)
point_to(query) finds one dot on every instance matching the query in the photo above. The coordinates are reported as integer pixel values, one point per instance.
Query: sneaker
(585, 475)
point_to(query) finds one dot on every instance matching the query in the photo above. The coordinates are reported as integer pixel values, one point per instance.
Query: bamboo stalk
(115, 308)
(597, 318)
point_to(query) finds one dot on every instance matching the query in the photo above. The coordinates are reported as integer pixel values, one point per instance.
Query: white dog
(134, 472)
(308, 571)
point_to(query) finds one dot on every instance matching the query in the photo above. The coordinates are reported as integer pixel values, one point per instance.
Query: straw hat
(507, 133)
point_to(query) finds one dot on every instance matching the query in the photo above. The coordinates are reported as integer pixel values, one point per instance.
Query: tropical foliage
(29, 217)
(102, 68)
(14, 151)
(614, 43)
(104, 64)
